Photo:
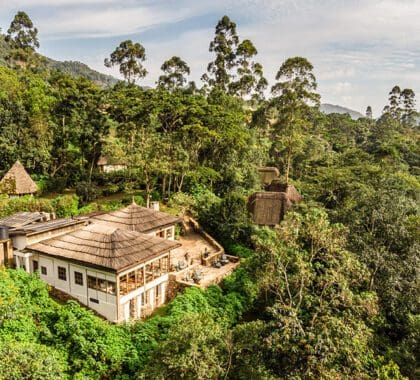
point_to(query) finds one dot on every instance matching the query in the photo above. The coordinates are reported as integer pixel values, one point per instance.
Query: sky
(360, 48)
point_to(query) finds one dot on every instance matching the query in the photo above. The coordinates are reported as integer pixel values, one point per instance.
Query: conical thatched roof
(267, 174)
(17, 181)
(137, 218)
(105, 246)
(278, 186)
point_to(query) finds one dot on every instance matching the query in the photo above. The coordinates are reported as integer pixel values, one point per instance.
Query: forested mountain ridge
(332, 292)
(334, 108)
(74, 68)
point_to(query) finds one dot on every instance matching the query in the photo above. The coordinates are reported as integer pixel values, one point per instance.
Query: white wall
(106, 304)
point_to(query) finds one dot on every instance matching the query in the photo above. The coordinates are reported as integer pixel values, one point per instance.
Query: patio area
(200, 261)
(193, 250)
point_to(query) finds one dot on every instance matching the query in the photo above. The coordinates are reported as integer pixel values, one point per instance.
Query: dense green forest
(331, 293)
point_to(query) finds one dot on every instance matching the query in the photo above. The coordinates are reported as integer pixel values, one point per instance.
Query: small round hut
(17, 182)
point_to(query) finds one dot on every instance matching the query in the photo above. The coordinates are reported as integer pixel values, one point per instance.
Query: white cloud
(360, 48)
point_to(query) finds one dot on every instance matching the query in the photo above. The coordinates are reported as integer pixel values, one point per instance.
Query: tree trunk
(147, 194)
(181, 182)
(164, 186)
(169, 186)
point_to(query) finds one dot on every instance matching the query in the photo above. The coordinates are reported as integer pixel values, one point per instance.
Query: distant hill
(331, 108)
(79, 69)
(74, 68)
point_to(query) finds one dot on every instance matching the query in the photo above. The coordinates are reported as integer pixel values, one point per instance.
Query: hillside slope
(331, 108)
(74, 68)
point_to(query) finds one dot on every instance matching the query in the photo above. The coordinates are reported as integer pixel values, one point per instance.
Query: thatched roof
(267, 174)
(103, 160)
(278, 186)
(17, 181)
(21, 219)
(104, 246)
(137, 218)
(268, 208)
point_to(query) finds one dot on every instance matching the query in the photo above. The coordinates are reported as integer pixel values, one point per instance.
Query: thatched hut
(268, 208)
(141, 219)
(107, 165)
(267, 174)
(17, 182)
(121, 274)
(280, 187)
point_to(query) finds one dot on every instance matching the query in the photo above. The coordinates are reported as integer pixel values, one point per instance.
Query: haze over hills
(74, 68)
(334, 108)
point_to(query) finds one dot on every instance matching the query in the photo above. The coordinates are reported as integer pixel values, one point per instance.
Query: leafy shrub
(66, 205)
(10, 206)
(110, 205)
(23, 360)
(182, 202)
(227, 219)
(239, 250)
(86, 191)
(155, 195)
(137, 198)
(56, 184)
(42, 185)
(110, 189)
(203, 200)
(91, 207)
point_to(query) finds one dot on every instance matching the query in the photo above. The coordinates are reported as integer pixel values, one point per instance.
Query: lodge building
(121, 264)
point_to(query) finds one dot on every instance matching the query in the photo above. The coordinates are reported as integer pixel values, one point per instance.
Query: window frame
(78, 278)
(60, 271)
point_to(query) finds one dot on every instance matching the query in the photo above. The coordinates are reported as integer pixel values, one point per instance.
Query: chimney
(4, 233)
(154, 205)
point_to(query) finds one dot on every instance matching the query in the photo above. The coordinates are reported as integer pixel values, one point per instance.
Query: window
(156, 269)
(102, 285)
(149, 273)
(91, 282)
(78, 278)
(44, 271)
(157, 295)
(164, 265)
(35, 265)
(169, 233)
(62, 275)
(111, 288)
(139, 277)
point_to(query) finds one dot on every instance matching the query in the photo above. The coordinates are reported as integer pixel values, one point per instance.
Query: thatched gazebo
(17, 182)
